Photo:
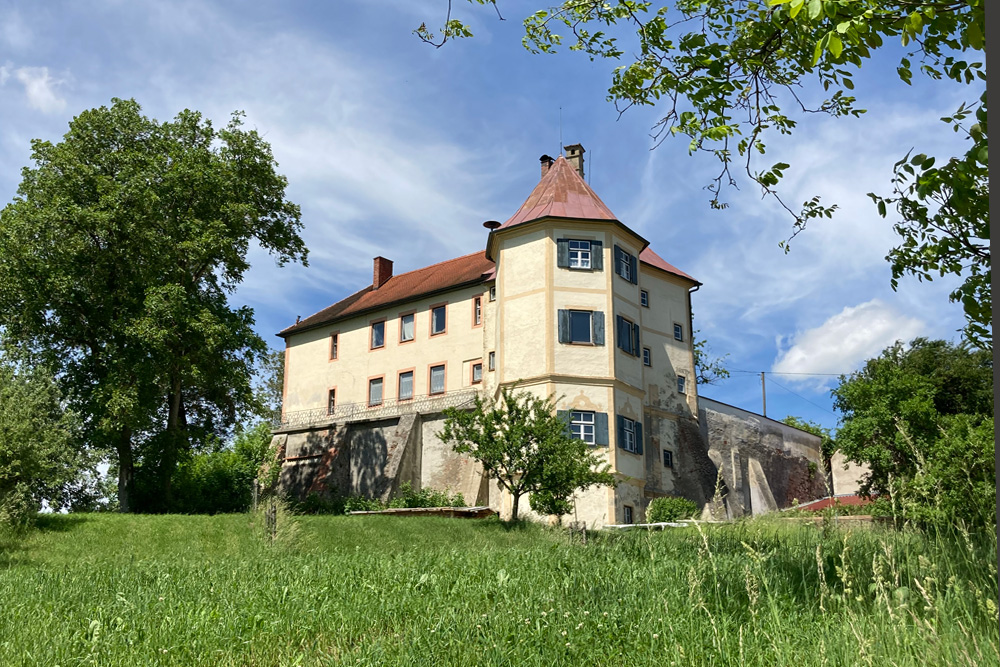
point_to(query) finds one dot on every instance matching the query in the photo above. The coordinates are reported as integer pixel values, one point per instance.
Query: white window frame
(372, 341)
(647, 357)
(678, 332)
(492, 360)
(331, 401)
(625, 263)
(580, 254)
(493, 293)
(628, 514)
(681, 384)
(431, 380)
(380, 383)
(477, 317)
(444, 309)
(583, 426)
(644, 298)
(628, 435)
(402, 327)
(475, 366)
(399, 386)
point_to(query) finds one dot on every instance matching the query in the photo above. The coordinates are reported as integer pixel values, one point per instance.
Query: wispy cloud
(844, 340)
(39, 88)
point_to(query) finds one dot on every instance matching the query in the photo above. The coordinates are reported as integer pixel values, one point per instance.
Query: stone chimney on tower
(382, 272)
(574, 155)
(547, 162)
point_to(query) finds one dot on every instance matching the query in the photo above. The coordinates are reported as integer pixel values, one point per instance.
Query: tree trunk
(513, 509)
(175, 433)
(125, 471)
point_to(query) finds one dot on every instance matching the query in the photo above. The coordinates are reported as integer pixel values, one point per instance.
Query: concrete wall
(765, 464)
(847, 476)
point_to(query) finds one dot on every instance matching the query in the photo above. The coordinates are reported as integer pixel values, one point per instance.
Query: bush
(670, 508)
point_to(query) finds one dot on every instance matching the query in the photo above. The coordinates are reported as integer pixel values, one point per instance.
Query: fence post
(256, 487)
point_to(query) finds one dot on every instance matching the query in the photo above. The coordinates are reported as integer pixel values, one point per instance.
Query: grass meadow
(199, 590)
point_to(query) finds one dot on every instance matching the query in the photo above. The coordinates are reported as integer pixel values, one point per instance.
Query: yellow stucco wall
(311, 373)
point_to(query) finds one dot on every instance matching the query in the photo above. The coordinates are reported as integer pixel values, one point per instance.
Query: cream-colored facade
(574, 308)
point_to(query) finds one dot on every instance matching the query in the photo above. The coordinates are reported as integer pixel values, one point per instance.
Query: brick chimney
(574, 155)
(546, 163)
(382, 272)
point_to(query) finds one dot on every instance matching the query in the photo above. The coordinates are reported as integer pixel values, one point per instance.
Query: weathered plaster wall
(765, 464)
(847, 476)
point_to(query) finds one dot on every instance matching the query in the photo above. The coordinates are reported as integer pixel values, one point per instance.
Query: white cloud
(40, 88)
(845, 340)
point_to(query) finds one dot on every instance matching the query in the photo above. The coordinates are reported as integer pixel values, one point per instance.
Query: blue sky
(394, 148)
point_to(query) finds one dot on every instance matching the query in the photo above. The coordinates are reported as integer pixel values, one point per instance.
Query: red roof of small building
(465, 270)
(649, 257)
(561, 193)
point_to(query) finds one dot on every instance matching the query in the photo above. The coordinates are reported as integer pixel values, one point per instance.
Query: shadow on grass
(59, 523)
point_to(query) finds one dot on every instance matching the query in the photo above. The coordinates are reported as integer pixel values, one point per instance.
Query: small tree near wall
(527, 449)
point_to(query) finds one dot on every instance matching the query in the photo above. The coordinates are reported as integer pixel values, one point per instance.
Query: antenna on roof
(560, 132)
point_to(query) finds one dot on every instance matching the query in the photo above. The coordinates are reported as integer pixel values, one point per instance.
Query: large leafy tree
(523, 445)
(116, 261)
(728, 74)
(919, 417)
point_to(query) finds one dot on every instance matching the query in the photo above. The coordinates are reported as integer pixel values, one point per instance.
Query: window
(581, 326)
(331, 401)
(437, 379)
(583, 426)
(405, 392)
(579, 254)
(477, 373)
(628, 514)
(493, 293)
(680, 384)
(375, 392)
(678, 332)
(646, 357)
(493, 361)
(378, 334)
(477, 311)
(406, 327)
(629, 435)
(626, 265)
(438, 320)
(668, 458)
(644, 298)
(628, 336)
(333, 346)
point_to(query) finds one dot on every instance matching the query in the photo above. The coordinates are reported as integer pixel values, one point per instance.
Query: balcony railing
(348, 412)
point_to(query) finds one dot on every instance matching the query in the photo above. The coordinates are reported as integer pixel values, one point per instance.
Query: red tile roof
(466, 270)
(561, 193)
(647, 256)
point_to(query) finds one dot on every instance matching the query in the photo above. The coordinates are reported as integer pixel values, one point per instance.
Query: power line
(804, 398)
(734, 370)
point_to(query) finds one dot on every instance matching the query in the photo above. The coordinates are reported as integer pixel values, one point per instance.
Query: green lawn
(189, 590)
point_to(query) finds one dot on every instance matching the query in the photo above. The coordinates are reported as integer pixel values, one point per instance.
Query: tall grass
(171, 590)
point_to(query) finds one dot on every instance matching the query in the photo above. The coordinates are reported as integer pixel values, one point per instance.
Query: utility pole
(763, 393)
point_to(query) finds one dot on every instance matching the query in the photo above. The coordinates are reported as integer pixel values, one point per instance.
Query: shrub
(670, 508)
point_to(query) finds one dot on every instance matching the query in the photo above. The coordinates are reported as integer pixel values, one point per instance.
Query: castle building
(566, 301)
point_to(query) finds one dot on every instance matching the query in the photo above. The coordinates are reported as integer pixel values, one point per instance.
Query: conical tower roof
(561, 193)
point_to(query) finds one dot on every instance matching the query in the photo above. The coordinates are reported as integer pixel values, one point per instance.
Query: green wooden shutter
(563, 326)
(618, 260)
(634, 262)
(638, 437)
(596, 256)
(620, 431)
(601, 428)
(620, 331)
(564, 416)
(597, 324)
(635, 339)
(562, 253)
